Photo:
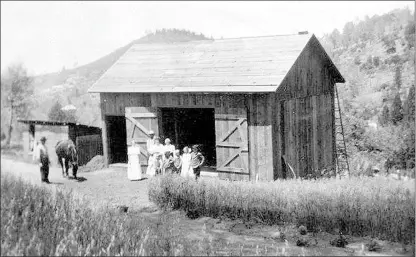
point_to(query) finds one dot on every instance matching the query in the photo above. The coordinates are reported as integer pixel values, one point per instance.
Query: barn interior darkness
(116, 129)
(189, 126)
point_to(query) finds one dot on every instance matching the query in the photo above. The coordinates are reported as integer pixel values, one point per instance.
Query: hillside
(377, 58)
(70, 86)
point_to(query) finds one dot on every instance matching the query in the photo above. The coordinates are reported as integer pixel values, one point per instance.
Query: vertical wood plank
(269, 133)
(252, 137)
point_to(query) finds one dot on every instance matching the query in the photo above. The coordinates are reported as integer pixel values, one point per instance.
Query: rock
(122, 209)
(238, 228)
(340, 241)
(374, 246)
(302, 230)
(303, 241)
(192, 214)
(276, 235)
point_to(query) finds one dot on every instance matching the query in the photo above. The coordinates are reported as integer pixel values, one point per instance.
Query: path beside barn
(105, 186)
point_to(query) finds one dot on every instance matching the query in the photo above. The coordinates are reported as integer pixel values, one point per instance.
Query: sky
(47, 36)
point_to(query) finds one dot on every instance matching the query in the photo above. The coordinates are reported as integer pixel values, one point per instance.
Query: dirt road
(108, 186)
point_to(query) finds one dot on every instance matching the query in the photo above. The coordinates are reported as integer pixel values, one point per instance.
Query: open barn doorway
(190, 126)
(117, 139)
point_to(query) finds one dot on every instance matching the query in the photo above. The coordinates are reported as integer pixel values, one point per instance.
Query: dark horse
(67, 154)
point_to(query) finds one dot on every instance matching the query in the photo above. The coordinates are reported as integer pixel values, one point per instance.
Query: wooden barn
(87, 138)
(256, 105)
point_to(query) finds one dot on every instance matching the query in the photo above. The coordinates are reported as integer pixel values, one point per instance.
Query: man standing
(149, 145)
(43, 158)
(151, 141)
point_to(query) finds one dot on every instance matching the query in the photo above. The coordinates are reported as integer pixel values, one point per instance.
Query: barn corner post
(104, 133)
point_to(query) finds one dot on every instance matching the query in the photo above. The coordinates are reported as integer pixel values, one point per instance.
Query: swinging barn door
(139, 121)
(232, 145)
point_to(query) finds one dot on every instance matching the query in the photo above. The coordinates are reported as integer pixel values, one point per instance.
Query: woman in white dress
(186, 161)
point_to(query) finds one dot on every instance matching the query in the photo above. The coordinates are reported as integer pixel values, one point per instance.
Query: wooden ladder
(342, 164)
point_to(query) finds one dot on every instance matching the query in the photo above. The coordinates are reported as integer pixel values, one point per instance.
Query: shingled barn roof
(256, 64)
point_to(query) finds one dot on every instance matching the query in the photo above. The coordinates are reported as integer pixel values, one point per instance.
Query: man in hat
(149, 144)
(151, 141)
(42, 157)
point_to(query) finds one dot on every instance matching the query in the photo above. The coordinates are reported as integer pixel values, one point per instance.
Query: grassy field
(50, 221)
(360, 206)
(38, 221)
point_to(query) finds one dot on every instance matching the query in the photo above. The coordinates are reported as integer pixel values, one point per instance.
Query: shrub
(38, 221)
(359, 206)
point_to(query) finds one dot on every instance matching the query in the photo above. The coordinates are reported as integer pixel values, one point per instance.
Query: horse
(67, 154)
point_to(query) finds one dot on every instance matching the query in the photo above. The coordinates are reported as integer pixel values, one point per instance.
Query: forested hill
(71, 85)
(377, 58)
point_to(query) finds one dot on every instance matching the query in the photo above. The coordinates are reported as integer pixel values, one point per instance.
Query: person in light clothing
(197, 160)
(186, 159)
(155, 152)
(177, 162)
(42, 157)
(168, 147)
(151, 141)
(149, 145)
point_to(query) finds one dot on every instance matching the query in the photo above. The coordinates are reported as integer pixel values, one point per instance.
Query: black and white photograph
(207, 128)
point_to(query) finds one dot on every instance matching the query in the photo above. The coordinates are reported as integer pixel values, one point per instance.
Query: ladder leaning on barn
(342, 164)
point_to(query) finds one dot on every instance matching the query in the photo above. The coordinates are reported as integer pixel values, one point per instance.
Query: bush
(359, 206)
(395, 59)
(38, 221)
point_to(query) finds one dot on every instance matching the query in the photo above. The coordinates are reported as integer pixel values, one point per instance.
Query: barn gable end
(304, 125)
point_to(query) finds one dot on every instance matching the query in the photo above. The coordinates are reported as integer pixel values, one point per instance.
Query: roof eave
(338, 77)
(214, 89)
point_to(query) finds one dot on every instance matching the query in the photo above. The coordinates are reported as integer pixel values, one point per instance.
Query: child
(197, 160)
(186, 158)
(177, 162)
(168, 166)
(158, 164)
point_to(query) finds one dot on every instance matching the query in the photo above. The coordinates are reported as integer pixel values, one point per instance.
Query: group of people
(166, 159)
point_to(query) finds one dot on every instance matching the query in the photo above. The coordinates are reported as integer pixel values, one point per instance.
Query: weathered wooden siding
(258, 108)
(75, 131)
(310, 75)
(260, 121)
(228, 110)
(306, 132)
(88, 147)
(303, 129)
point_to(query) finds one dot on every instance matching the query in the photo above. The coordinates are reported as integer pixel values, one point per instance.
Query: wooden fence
(88, 147)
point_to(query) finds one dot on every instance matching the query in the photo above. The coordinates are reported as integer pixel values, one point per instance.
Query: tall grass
(363, 206)
(38, 221)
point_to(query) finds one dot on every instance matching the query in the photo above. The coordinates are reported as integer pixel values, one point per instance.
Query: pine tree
(410, 105)
(398, 77)
(383, 119)
(55, 113)
(396, 110)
